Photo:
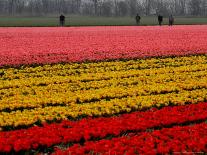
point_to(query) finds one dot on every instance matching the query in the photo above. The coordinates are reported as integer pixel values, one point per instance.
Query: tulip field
(116, 90)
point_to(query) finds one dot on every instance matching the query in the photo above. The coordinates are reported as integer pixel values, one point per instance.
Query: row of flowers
(73, 68)
(86, 80)
(90, 71)
(66, 90)
(177, 140)
(61, 94)
(100, 108)
(25, 46)
(99, 128)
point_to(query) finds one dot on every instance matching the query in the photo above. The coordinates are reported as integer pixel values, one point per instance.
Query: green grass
(93, 21)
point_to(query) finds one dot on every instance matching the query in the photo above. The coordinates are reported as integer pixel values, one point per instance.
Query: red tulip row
(53, 45)
(178, 140)
(98, 128)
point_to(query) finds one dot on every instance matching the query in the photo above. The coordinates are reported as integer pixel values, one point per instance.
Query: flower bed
(54, 45)
(188, 139)
(33, 95)
(103, 90)
(99, 128)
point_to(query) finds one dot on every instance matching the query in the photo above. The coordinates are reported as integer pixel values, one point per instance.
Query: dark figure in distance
(62, 20)
(138, 18)
(160, 19)
(171, 20)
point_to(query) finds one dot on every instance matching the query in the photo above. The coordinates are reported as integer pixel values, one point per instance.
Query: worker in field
(138, 18)
(171, 20)
(62, 20)
(160, 19)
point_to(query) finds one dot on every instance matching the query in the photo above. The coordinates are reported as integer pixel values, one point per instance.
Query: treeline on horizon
(104, 7)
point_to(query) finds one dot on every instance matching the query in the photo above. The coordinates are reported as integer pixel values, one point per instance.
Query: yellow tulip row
(66, 94)
(112, 82)
(115, 106)
(86, 77)
(100, 67)
(44, 98)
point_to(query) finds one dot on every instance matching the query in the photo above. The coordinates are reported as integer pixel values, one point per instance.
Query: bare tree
(162, 7)
(132, 7)
(106, 8)
(182, 7)
(148, 6)
(87, 9)
(204, 7)
(195, 7)
(78, 5)
(95, 2)
(116, 10)
(45, 6)
(123, 9)
(3, 4)
(11, 6)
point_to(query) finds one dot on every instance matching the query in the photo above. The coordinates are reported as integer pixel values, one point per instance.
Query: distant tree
(78, 5)
(182, 7)
(95, 3)
(87, 8)
(204, 7)
(3, 4)
(148, 6)
(75, 6)
(45, 6)
(116, 8)
(123, 9)
(162, 7)
(106, 8)
(11, 6)
(195, 7)
(61, 6)
(37, 8)
(132, 7)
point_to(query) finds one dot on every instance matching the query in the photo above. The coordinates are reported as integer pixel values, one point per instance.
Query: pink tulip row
(53, 45)
(98, 128)
(176, 140)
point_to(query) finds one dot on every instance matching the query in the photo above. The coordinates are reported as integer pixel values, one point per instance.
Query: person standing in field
(138, 18)
(160, 19)
(171, 20)
(62, 20)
